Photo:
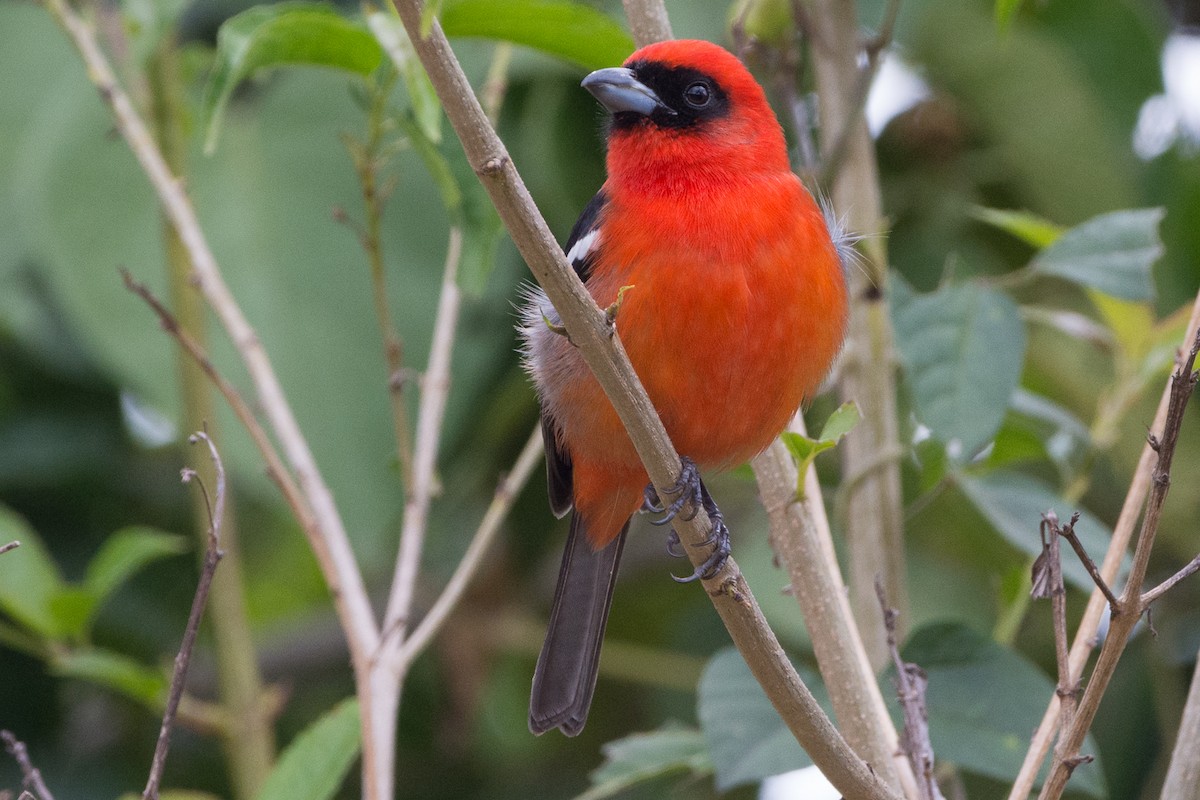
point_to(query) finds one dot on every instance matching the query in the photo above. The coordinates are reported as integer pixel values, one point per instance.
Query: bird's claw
(689, 489)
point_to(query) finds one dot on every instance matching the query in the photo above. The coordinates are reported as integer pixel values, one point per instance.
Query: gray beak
(617, 90)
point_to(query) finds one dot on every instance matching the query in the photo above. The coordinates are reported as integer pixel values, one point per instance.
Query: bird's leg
(689, 488)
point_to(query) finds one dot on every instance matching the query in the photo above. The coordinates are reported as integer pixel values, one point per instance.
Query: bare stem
(4, 548)
(1085, 635)
(1068, 532)
(1188, 571)
(871, 452)
(648, 21)
(801, 539)
(602, 350)
(1129, 608)
(1183, 775)
(506, 493)
(212, 556)
(31, 776)
(910, 689)
(334, 555)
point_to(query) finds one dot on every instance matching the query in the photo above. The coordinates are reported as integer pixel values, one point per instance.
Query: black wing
(559, 480)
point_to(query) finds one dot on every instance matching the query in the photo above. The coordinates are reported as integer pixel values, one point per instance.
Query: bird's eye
(697, 95)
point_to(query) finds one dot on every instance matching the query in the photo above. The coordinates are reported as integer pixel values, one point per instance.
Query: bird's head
(689, 110)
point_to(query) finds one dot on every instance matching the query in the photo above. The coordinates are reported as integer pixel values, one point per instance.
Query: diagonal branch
(1081, 647)
(215, 506)
(602, 350)
(31, 776)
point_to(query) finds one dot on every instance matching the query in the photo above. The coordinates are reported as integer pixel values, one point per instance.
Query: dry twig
(31, 776)
(910, 689)
(212, 556)
(4, 548)
(1130, 606)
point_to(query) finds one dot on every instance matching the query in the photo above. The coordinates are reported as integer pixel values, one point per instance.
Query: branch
(648, 21)
(1183, 775)
(1129, 608)
(31, 776)
(344, 579)
(4, 548)
(602, 351)
(871, 452)
(334, 554)
(212, 556)
(1191, 569)
(910, 690)
(801, 539)
(1085, 635)
(1048, 584)
(506, 493)
(1068, 532)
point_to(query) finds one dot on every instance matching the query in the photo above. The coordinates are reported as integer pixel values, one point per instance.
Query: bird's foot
(689, 489)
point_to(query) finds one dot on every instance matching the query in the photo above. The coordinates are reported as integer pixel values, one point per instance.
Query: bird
(725, 283)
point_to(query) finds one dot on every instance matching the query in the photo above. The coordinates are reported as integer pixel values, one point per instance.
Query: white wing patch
(583, 248)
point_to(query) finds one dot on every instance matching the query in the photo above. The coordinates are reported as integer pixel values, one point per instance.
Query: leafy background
(1031, 371)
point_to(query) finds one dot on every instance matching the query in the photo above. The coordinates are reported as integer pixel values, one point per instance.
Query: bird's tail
(565, 677)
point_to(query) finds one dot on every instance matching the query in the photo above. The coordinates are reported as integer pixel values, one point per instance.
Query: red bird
(737, 308)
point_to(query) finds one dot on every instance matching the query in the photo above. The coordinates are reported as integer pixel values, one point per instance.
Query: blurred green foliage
(1034, 297)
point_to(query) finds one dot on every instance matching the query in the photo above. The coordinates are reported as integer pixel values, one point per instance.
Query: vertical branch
(801, 539)
(249, 741)
(1183, 775)
(648, 21)
(871, 452)
(331, 544)
(1081, 647)
(911, 683)
(212, 555)
(1131, 606)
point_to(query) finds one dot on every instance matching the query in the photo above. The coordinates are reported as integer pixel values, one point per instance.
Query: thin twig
(1191, 569)
(334, 555)
(435, 391)
(31, 776)
(506, 493)
(275, 467)
(1048, 583)
(1129, 608)
(212, 556)
(603, 352)
(1068, 532)
(4, 548)
(336, 558)
(370, 157)
(911, 682)
(1085, 634)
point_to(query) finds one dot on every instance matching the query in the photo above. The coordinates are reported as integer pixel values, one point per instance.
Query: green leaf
(804, 449)
(1006, 11)
(644, 756)
(984, 701)
(962, 348)
(1111, 253)
(423, 99)
(116, 671)
(746, 738)
(29, 578)
(314, 765)
(124, 553)
(72, 607)
(1014, 503)
(572, 31)
(1028, 227)
(265, 36)
(840, 422)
